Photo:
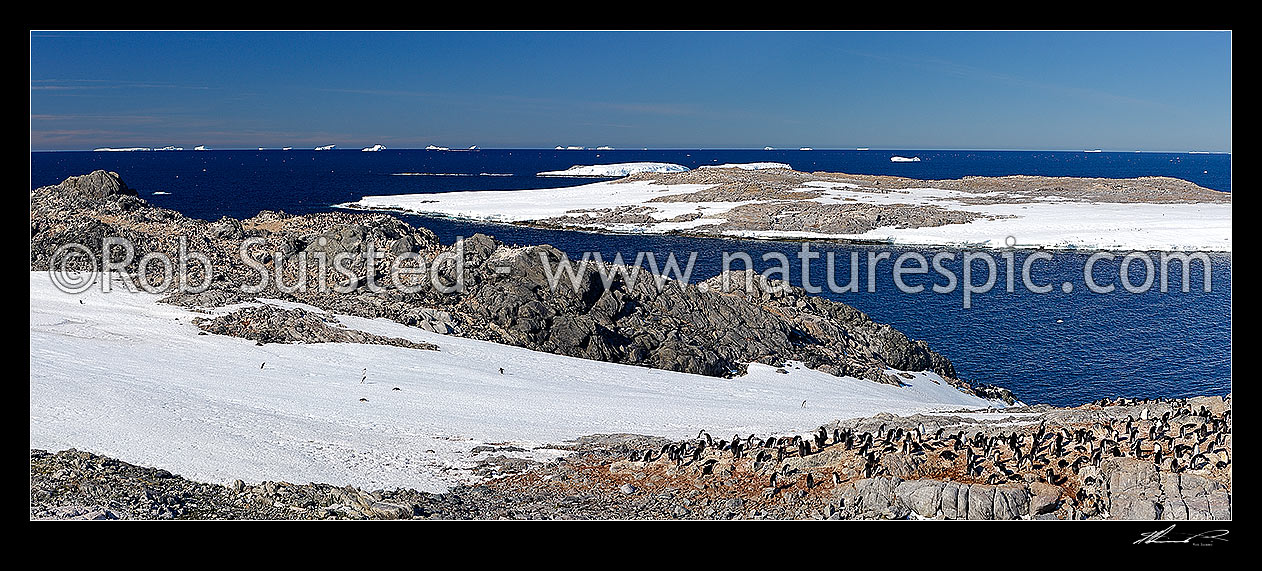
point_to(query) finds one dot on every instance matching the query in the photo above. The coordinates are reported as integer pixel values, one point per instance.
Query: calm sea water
(1060, 348)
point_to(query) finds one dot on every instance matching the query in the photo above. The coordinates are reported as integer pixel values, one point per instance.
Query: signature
(1164, 536)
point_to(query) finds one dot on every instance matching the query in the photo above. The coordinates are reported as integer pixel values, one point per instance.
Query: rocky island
(770, 200)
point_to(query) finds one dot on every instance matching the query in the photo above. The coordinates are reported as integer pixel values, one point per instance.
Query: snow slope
(122, 375)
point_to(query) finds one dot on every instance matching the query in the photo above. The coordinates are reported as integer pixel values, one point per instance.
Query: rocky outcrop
(94, 186)
(271, 324)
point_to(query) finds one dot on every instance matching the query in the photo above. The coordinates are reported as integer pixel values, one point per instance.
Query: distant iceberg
(473, 148)
(326, 148)
(904, 160)
(374, 148)
(113, 150)
(170, 148)
(604, 148)
(286, 148)
(616, 170)
(806, 149)
(768, 148)
(201, 148)
(436, 148)
(749, 166)
(861, 149)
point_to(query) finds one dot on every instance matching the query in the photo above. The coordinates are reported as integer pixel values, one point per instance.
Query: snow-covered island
(617, 170)
(770, 200)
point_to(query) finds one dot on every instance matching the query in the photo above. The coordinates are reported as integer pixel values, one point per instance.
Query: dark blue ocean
(1060, 348)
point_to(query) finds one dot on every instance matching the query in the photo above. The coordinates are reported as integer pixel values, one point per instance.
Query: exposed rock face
(94, 186)
(507, 295)
(271, 324)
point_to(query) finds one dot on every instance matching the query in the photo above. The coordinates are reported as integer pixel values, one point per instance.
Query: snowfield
(122, 375)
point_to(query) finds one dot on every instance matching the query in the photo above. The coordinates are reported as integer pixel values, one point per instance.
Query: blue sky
(1155, 91)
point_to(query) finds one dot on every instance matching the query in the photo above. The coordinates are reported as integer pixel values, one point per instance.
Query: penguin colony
(1182, 438)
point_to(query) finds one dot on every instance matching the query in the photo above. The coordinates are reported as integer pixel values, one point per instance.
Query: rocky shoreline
(1152, 460)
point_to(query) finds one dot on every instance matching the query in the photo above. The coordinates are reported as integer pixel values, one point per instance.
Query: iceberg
(436, 148)
(615, 170)
(768, 148)
(806, 149)
(326, 148)
(904, 159)
(604, 148)
(110, 149)
(374, 148)
(201, 148)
